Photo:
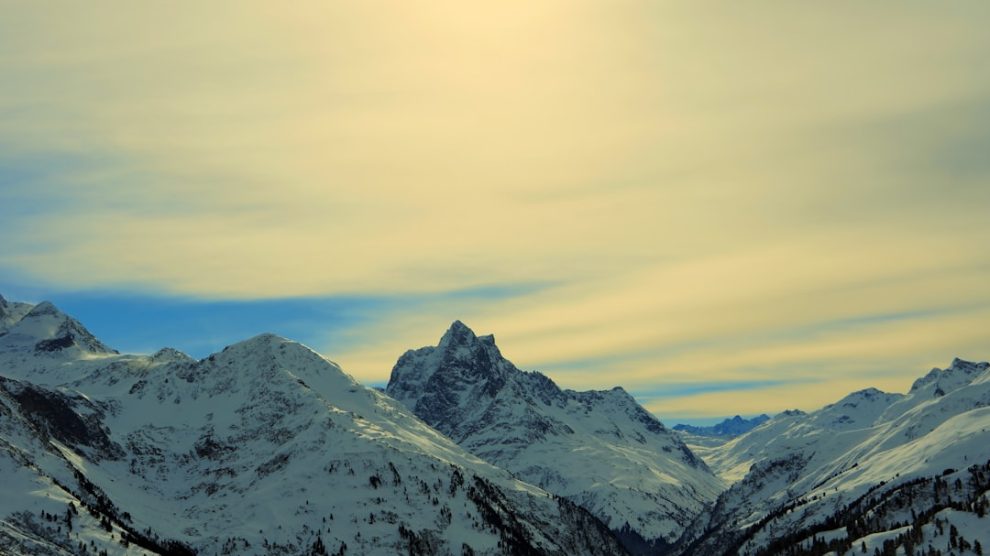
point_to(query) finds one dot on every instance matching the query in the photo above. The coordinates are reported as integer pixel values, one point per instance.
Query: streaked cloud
(733, 194)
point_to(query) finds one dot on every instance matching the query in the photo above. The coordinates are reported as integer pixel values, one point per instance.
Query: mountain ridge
(864, 451)
(45, 328)
(646, 481)
(729, 427)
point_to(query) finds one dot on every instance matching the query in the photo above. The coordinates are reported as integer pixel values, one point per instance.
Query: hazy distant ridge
(729, 427)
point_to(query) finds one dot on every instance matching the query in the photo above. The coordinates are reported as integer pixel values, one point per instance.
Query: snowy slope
(868, 463)
(600, 448)
(264, 448)
(38, 514)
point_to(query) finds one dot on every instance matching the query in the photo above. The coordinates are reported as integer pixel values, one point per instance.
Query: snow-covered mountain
(727, 428)
(270, 448)
(264, 448)
(906, 470)
(43, 328)
(600, 449)
(11, 312)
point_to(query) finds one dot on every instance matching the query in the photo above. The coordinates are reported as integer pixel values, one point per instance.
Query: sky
(723, 207)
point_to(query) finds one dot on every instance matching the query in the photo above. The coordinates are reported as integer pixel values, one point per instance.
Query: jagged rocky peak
(436, 381)
(598, 448)
(461, 363)
(460, 337)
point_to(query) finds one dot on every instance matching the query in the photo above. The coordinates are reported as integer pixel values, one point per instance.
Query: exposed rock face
(74, 421)
(600, 449)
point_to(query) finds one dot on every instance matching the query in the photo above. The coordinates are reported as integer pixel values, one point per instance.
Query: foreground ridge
(874, 472)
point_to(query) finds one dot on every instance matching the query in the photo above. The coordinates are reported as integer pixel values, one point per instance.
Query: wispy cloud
(692, 389)
(635, 194)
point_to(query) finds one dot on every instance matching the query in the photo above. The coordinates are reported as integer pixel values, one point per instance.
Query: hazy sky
(727, 207)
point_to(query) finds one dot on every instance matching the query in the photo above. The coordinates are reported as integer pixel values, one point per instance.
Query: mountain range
(264, 448)
(727, 428)
(268, 447)
(874, 471)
